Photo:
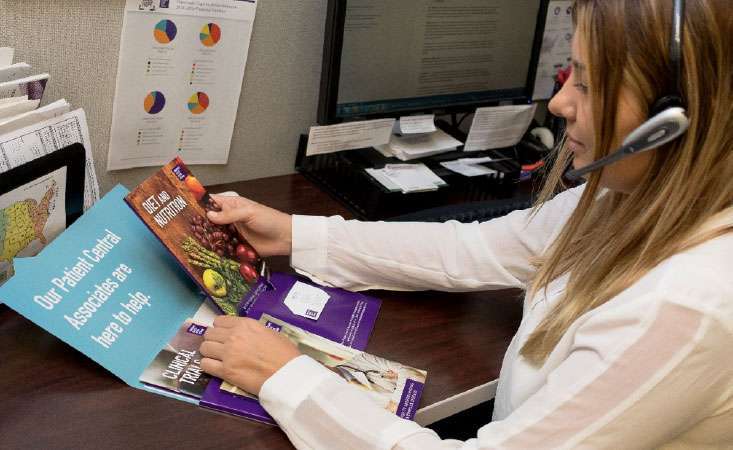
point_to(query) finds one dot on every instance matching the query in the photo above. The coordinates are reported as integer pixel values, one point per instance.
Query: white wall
(77, 42)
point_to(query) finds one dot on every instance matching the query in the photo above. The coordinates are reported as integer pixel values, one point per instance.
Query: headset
(668, 119)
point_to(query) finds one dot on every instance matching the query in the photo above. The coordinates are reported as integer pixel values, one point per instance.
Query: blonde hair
(612, 240)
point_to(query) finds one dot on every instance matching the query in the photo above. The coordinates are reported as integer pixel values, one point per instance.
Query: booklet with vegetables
(136, 302)
(173, 205)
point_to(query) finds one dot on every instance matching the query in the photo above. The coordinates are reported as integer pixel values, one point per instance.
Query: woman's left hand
(244, 353)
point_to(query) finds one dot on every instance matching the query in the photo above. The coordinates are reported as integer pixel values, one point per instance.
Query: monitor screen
(427, 55)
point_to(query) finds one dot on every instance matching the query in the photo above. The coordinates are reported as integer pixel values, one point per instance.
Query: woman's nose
(563, 103)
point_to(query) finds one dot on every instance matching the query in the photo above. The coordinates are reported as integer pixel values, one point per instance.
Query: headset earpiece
(664, 103)
(661, 128)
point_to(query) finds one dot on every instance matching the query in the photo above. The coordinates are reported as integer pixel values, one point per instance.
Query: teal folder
(108, 288)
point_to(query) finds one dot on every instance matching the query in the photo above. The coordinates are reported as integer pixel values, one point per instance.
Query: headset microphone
(669, 120)
(660, 129)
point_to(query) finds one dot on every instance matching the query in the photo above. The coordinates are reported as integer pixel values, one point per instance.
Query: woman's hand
(268, 230)
(244, 353)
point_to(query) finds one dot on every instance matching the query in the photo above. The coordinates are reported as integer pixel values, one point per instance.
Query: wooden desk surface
(55, 397)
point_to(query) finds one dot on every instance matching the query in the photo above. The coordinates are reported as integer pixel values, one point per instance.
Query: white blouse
(651, 368)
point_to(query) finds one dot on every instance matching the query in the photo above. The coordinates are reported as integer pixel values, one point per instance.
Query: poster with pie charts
(179, 80)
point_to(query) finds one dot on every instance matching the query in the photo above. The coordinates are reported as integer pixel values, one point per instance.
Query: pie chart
(165, 31)
(198, 103)
(154, 102)
(210, 34)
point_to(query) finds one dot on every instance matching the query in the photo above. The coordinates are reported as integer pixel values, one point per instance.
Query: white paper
(10, 100)
(348, 136)
(26, 144)
(413, 177)
(385, 150)
(10, 110)
(556, 47)
(220, 9)
(468, 170)
(414, 146)
(383, 179)
(44, 113)
(179, 80)
(417, 124)
(14, 72)
(6, 56)
(485, 159)
(306, 301)
(33, 215)
(32, 86)
(499, 126)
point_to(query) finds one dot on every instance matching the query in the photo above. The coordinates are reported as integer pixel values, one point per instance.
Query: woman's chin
(581, 158)
(579, 163)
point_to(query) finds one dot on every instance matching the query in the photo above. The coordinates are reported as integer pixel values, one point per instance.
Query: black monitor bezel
(331, 68)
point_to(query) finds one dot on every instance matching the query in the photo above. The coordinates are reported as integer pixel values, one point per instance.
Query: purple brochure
(347, 318)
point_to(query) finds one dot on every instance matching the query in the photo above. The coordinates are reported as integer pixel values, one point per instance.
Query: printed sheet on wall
(179, 79)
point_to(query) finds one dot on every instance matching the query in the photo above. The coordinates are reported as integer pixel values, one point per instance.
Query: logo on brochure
(273, 326)
(180, 172)
(198, 330)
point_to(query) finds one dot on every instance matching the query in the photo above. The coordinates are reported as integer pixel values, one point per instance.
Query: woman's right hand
(268, 230)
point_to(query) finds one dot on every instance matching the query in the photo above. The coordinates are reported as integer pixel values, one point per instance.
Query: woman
(628, 318)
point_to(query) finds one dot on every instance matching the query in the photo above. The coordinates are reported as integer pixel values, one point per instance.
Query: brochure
(177, 367)
(391, 385)
(173, 205)
(108, 287)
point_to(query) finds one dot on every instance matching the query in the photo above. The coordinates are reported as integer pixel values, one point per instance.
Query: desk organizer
(342, 175)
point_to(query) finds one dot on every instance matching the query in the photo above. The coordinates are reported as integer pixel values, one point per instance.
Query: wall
(77, 42)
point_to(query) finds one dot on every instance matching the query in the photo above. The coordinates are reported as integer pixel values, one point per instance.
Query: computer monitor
(385, 58)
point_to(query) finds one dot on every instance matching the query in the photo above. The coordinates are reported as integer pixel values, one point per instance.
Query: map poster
(31, 216)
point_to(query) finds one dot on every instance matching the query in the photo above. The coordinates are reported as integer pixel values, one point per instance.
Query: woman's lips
(574, 144)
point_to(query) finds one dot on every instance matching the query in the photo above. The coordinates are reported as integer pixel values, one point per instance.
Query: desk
(54, 397)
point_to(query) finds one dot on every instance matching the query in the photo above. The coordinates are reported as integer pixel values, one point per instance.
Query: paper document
(32, 86)
(413, 177)
(348, 136)
(500, 126)
(11, 100)
(6, 56)
(416, 124)
(44, 113)
(179, 80)
(10, 110)
(556, 47)
(414, 146)
(383, 179)
(485, 159)
(14, 72)
(26, 144)
(469, 170)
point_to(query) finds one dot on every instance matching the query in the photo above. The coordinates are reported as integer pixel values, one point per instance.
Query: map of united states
(22, 223)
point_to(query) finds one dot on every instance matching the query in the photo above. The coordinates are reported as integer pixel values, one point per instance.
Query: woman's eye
(581, 87)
